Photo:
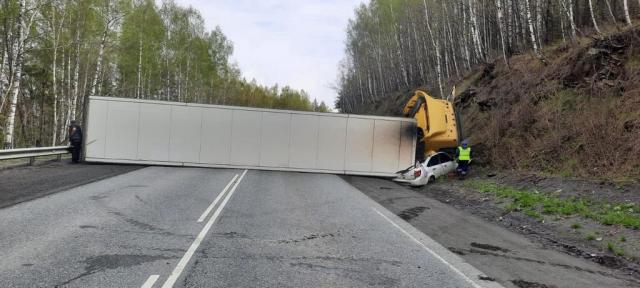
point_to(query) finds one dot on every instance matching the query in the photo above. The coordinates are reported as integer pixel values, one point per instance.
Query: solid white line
(194, 246)
(473, 283)
(213, 204)
(149, 283)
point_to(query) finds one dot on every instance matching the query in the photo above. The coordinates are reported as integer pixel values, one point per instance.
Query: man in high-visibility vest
(463, 154)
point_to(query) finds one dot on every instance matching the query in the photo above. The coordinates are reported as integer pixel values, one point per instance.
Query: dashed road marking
(194, 246)
(150, 281)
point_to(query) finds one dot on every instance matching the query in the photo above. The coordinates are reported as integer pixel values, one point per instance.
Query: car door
(433, 165)
(446, 163)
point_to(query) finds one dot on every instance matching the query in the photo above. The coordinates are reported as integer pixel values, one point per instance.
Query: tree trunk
(15, 86)
(73, 101)
(4, 80)
(475, 30)
(54, 137)
(539, 23)
(138, 92)
(501, 28)
(437, 48)
(593, 17)
(54, 67)
(568, 8)
(613, 17)
(94, 82)
(532, 31)
(626, 12)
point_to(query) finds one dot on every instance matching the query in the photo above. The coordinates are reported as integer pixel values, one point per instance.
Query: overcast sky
(290, 42)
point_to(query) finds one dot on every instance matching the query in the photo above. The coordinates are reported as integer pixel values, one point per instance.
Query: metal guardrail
(32, 153)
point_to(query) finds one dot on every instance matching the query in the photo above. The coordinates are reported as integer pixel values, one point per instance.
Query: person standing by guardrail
(75, 140)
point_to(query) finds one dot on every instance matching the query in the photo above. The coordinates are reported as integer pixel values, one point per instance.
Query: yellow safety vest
(464, 154)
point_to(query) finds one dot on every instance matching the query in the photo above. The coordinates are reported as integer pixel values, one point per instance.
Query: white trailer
(121, 130)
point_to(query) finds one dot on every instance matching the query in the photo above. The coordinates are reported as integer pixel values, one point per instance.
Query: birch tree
(627, 17)
(567, 6)
(432, 49)
(56, 31)
(593, 17)
(436, 46)
(501, 28)
(23, 26)
(532, 32)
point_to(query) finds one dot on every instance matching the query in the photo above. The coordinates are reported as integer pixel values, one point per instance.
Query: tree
(397, 45)
(24, 27)
(436, 46)
(57, 53)
(501, 28)
(593, 17)
(534, 40)
(627, 17)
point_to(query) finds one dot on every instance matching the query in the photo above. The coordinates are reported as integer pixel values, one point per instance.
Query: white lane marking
(213, 204)
(473, 283)
(194, 246)
(149, 283)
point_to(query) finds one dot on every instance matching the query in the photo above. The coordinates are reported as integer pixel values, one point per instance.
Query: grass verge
(535, 204)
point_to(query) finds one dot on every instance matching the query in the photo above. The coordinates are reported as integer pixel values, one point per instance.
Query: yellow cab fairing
(436, 118)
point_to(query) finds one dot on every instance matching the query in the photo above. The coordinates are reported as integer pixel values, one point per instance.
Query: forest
(57, 53)
(551, 86)
(397, 45)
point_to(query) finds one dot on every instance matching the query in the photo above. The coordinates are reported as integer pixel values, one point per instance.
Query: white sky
(298, 43)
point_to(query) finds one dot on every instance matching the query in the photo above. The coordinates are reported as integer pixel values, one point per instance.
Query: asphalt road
(270, 229)
(24, 183)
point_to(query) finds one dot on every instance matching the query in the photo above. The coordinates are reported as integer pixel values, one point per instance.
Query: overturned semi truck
(129, 131)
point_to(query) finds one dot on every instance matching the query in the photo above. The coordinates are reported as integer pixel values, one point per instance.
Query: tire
(432, 180)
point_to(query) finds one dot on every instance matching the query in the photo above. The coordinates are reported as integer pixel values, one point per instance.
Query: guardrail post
(32, 160)
(59, 158)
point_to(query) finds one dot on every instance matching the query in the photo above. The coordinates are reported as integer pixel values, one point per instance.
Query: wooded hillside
(56, 53)
(557, 98)
(396, 45)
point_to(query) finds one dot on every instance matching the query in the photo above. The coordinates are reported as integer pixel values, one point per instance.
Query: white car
(436, 165)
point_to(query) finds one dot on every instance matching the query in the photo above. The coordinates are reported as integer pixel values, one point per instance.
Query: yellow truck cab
(437, 119)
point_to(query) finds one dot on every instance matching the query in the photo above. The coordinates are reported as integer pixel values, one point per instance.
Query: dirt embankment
(576, 115)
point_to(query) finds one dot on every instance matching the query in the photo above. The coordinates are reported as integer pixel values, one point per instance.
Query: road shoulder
(26, 183)
(509, 258)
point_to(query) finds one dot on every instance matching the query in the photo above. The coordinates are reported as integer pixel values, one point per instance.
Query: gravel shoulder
(23, 183)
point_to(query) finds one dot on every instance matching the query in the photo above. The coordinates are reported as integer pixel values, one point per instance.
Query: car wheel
(432, 179)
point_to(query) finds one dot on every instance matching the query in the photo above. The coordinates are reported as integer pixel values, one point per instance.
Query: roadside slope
(576, 115)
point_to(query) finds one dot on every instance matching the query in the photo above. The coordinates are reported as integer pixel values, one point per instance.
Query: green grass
(611, 247)
(534, 204)
(623, 238)
(591, 236)
(576, 226)
(532, 213)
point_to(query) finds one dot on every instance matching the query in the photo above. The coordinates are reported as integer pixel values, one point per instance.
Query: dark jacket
(75, 133)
